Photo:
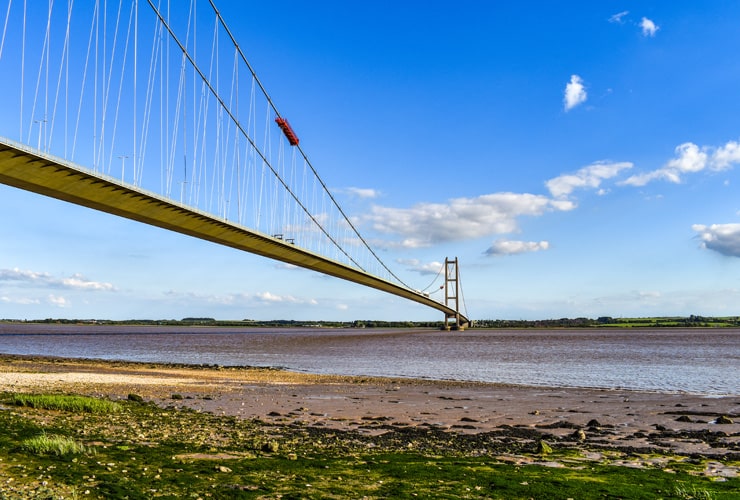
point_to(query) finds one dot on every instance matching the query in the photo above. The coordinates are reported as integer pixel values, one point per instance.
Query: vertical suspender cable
(64, 57)
(84, 81)
(333, 200)
(5, 28)
(23, 69)
(136, 64)
(224, 109)
(44, 48)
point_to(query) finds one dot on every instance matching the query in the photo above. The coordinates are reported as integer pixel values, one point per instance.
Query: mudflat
(595, 419)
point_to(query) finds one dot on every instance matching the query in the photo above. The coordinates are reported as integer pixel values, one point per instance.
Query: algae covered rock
(543, 448)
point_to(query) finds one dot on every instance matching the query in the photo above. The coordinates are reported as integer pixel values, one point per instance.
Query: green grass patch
(146, 452)
(76, 404)
(50, 444)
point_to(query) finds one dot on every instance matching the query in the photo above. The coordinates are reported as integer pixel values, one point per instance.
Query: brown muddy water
(699, 361)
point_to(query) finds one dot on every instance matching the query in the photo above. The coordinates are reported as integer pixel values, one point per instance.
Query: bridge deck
(31, 170)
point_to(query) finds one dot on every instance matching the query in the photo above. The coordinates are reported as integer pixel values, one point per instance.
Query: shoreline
(338, 377)
(600, 419)
(348, 377)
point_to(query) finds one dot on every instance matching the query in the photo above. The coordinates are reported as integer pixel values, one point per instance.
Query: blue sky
(579, 158)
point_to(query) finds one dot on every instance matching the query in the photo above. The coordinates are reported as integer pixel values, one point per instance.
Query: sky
(580, 159)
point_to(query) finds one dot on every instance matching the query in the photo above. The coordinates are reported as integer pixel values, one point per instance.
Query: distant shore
(691, 321)
(589, 418)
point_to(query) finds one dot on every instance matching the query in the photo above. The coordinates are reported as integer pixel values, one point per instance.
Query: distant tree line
(693, 321)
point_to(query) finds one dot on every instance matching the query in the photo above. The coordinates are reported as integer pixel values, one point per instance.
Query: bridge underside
(31, 170)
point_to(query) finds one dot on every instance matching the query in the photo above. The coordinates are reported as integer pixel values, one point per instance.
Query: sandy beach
(586, 418)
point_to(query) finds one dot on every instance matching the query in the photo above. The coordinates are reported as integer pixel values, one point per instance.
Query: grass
(74, 404)
(142, 451)
(692, 493)
(45, 444)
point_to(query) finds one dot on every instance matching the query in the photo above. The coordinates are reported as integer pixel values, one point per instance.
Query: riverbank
(176, 431)
(586, 418)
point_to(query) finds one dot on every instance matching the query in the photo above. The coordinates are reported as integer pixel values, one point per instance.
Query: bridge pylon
(452, 295)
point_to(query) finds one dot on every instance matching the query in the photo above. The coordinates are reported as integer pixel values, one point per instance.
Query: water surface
(702, 361)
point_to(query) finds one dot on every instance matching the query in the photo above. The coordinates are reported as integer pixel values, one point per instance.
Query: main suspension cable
(305, 157)
(441, 268)
(243, 132)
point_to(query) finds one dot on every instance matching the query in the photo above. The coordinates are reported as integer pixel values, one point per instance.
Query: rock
(580, 435)
(136, 398)
(543, 448)
(684, 418)
(723, 420)
(222, 468)
(177, 396)
(271, 447)
(593, 423)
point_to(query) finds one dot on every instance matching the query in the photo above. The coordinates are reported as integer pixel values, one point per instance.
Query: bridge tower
(452, 294)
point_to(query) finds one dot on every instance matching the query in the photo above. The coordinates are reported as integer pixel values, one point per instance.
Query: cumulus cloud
(19, 300)
(721, 238)
(238, 299)
(364, 193)
(58, 301)
(726, 156)
(16, 274)
(75, 282)
(509, 247)
(689, 159)
(269, 297)
(590, 176)
(417, 266)
(460, 218)
(575, 93)
(619, 17)
(649, 28)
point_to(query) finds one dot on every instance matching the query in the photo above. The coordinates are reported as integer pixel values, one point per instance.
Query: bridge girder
(25, 168)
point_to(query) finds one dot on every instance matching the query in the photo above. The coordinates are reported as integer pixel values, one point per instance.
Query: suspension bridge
(152, 112)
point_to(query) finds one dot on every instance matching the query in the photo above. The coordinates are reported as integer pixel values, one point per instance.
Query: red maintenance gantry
(287, 130)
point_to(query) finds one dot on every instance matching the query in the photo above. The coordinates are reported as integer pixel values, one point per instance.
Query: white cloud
(289, 267)
(689, 159)
(460, 218)
(649, 28)
(77, 281)
(58, 301)
(16, 274)
(289, 299)
(590, 176)
(726, 156)
(19, 300)
(237, 299)
(364, 193)
(575, 93)
(618, 18)
(417, 266)
(721, 238)
(33, 278)
(509, 247)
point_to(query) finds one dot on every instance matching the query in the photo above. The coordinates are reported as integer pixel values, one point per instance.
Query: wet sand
(587, 418)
